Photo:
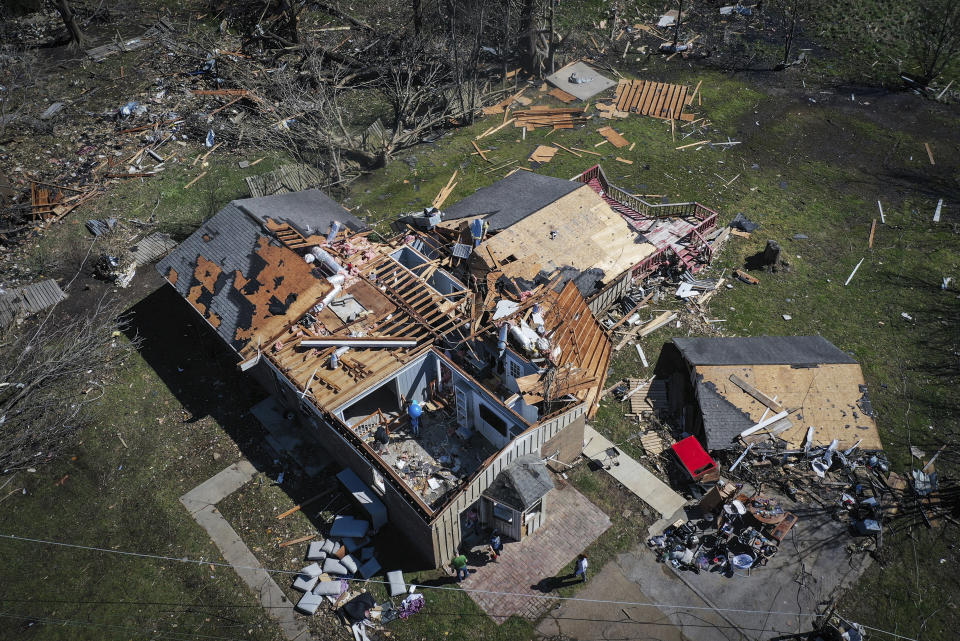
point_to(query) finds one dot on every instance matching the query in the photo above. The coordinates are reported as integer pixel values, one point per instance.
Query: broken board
(613, 136)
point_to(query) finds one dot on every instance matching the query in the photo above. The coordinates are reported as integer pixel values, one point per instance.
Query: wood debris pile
(564, 118)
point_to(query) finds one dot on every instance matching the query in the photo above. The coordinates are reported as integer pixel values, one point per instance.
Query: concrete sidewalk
(634, 476)
(201, 503)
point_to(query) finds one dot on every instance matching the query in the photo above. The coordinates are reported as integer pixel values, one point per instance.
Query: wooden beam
(755, 393)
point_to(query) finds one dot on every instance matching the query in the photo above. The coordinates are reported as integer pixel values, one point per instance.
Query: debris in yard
(99, 227)
(936, 214)
(745, 277)
(656, 99)
(562, 95)
(543, 154)
(850, 277)
(16, 304)
(545, 117)
(929, 153)
(579, 80)
(742, 223)
(613, 137)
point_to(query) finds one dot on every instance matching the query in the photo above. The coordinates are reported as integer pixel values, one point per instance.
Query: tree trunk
(417, 16)
(676, 32)
(528, 35)
(76, 36)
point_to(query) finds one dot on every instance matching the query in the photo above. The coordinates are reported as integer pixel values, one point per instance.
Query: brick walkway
(572, 524)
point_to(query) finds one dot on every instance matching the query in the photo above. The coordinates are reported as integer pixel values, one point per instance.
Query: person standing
(496, 545)
(459, 564)
(414, 412)
(581, 570)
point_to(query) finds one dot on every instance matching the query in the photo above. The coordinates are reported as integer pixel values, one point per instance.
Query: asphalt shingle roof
(512, 199)
(521, 484)
(761, 350)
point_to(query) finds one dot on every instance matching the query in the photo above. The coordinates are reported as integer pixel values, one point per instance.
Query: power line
(550, 597)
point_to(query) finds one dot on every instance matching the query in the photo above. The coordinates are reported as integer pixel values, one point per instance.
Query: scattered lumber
(657, 323)
(446, 191)
(562, 95)
(546, 117)
(190, 184)
(613, 136)
(543, 154)
(502, 105)
(692, 144)
(930, 153)
(745, 277)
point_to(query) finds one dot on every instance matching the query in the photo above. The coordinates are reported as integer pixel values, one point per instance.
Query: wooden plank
(929, 153)
(613, 136)
(873, 230)
(755, 393)
(562, 95)
(297, 540)
(695, 92)
(638, 104)
(678, 104)
(648, 101)
(623, 95)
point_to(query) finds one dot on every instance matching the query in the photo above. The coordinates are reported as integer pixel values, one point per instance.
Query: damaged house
(442, 401)
(527, 230)
(770, 386)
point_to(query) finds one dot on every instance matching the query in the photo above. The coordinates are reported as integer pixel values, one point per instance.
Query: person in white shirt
(581, 570)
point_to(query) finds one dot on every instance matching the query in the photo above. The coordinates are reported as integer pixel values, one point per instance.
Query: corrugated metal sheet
(27, 300)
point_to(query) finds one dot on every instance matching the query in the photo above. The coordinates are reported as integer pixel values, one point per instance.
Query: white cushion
(316, 552)
(327, 588)
(334, 566)
(309, 603)
(397, 585)
(313, 570)
(305, 583)
(349, 563)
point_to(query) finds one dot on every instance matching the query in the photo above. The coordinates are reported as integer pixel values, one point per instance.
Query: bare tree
(934, 38)
(52, 372)
(77, 39)
(794, 12)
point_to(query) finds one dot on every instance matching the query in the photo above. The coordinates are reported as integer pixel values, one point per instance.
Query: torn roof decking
(402, 305)
(240, 278)
(589, 236)
(584, 346)
(827, 397)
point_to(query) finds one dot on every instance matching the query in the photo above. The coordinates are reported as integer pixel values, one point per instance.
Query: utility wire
(549, 597)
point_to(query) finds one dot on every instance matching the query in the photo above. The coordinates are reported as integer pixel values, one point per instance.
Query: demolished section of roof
(241, 280)
(512, 199)
(579, 231)
(310, 211)
(522, 484)
(798, 351)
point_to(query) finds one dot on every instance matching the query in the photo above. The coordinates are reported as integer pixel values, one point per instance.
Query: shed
(514, 502)
(736, 382)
